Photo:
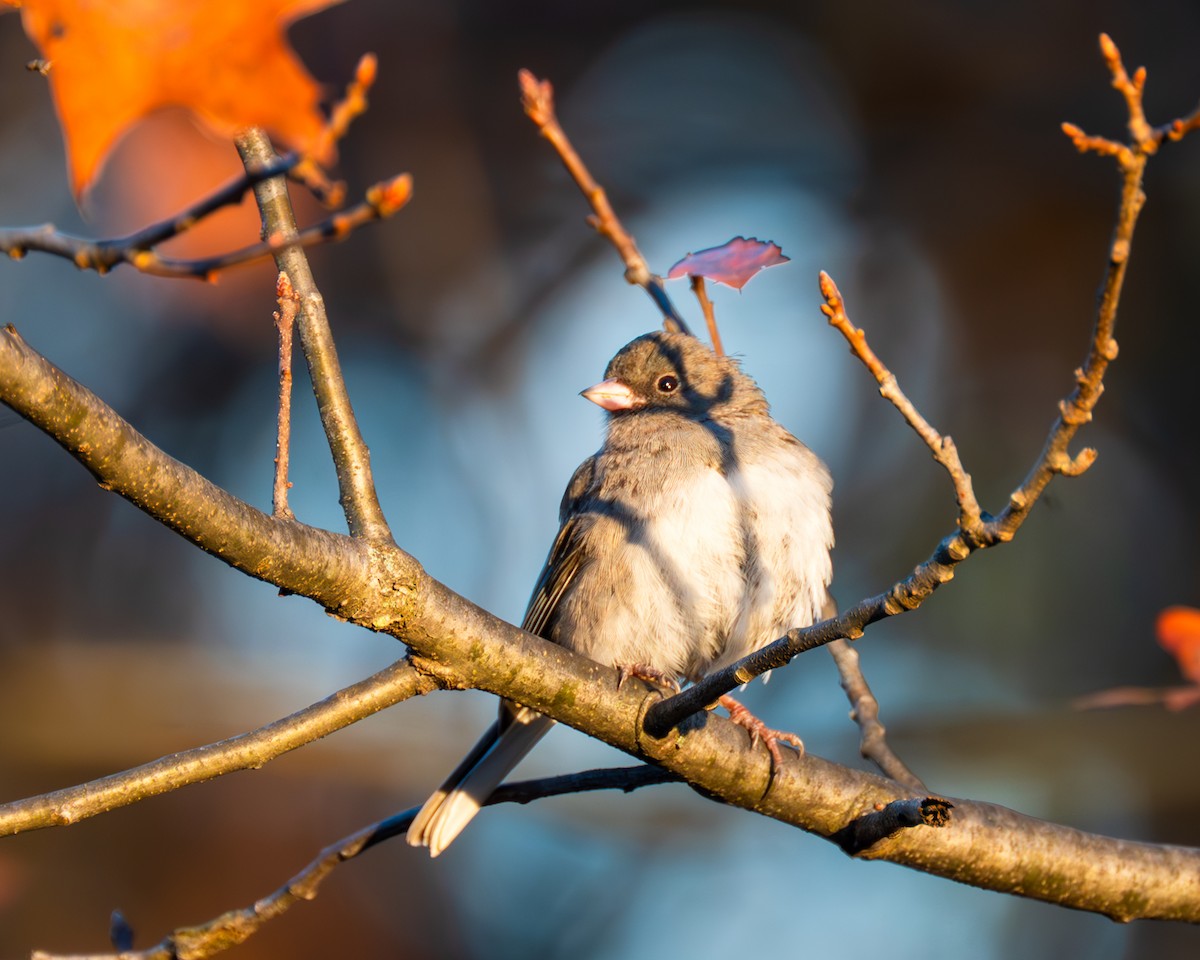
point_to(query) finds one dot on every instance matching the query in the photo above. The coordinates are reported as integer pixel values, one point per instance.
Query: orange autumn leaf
(1178, 630)
(227, 61)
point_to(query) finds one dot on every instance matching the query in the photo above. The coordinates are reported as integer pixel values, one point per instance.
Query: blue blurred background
(913, 151)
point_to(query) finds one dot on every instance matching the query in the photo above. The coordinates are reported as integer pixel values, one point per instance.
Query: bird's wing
(504, 745)
(566, 556)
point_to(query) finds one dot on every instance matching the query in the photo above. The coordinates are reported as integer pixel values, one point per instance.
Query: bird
(699, 532)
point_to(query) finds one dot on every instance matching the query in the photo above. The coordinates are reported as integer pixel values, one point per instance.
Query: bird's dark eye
(667, 384)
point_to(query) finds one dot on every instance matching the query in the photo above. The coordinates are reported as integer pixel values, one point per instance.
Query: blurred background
(914, 152)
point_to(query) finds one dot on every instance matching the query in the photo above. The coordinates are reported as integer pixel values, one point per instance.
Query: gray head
(675, 371)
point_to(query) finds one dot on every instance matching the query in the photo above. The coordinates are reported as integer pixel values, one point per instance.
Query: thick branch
(291, 555)
(460, 645)
(247, 751)
(351, 458)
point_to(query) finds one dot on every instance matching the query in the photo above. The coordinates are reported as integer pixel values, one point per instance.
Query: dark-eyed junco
(699, 532)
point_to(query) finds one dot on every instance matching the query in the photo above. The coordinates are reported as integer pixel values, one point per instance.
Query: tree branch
(864, 710)
(236, 926)
(247, 751)
(975, 531)
(285, 323)
(135, 249)
(351, 459)
(537, 97)
(289, 554)
(460, 645)
(367, 580)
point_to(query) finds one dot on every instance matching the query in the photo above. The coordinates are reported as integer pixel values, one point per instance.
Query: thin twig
(352, 105)
(537, 98)
(380, 587)
(1074, 411)
(246, 751)
(285, 322)
(236, 926)
(1173, 698)
(864, 710)
(351, 459)
(139, 249)
(103, 255)
(942, 447)
(710, 318)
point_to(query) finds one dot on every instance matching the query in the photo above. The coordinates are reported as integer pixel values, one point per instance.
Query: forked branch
(975, 530)
(537, 97)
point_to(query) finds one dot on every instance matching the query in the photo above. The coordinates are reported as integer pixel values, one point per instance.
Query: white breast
(718, 566)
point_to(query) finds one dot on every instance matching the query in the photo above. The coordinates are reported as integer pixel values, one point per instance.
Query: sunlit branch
(285, 321)
(975, 530)
(247, 751)
(351, 459)
(215, 936)
(537, 97)
(864, 710)
(104, 255)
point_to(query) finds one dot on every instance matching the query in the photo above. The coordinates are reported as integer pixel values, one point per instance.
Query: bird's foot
(760, 731)
(653, 676)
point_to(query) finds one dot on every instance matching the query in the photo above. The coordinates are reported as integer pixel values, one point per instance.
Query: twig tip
(367, 69)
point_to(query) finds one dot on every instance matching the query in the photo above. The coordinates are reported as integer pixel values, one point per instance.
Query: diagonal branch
(376, 585)
(942, 447)
(864, 710)
(247, 751)
(537, 97)
(139, 249)
(459, 645)
(103, 255)
(351, 459)
(286, 553)
(975, 530)
(215, 936)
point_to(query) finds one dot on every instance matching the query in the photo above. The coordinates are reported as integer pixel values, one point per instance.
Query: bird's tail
(454, 805)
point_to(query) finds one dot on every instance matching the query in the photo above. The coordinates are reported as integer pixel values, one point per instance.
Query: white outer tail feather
(446, 814)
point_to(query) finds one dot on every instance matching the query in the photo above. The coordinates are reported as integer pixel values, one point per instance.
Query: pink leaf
(732, 263)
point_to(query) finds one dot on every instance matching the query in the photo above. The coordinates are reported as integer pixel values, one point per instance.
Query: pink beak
(612, 395)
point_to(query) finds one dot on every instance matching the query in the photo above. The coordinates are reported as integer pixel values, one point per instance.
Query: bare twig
(103, 255)
(537, 97)
(864, 710)
(378, 586)
(942, 447)
(285, 321)
(247, 751)
(975, 530)
(352, 105)
(351, 458)
(1173, 698)
(701, 292)
(139, 249)
(236, 926)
